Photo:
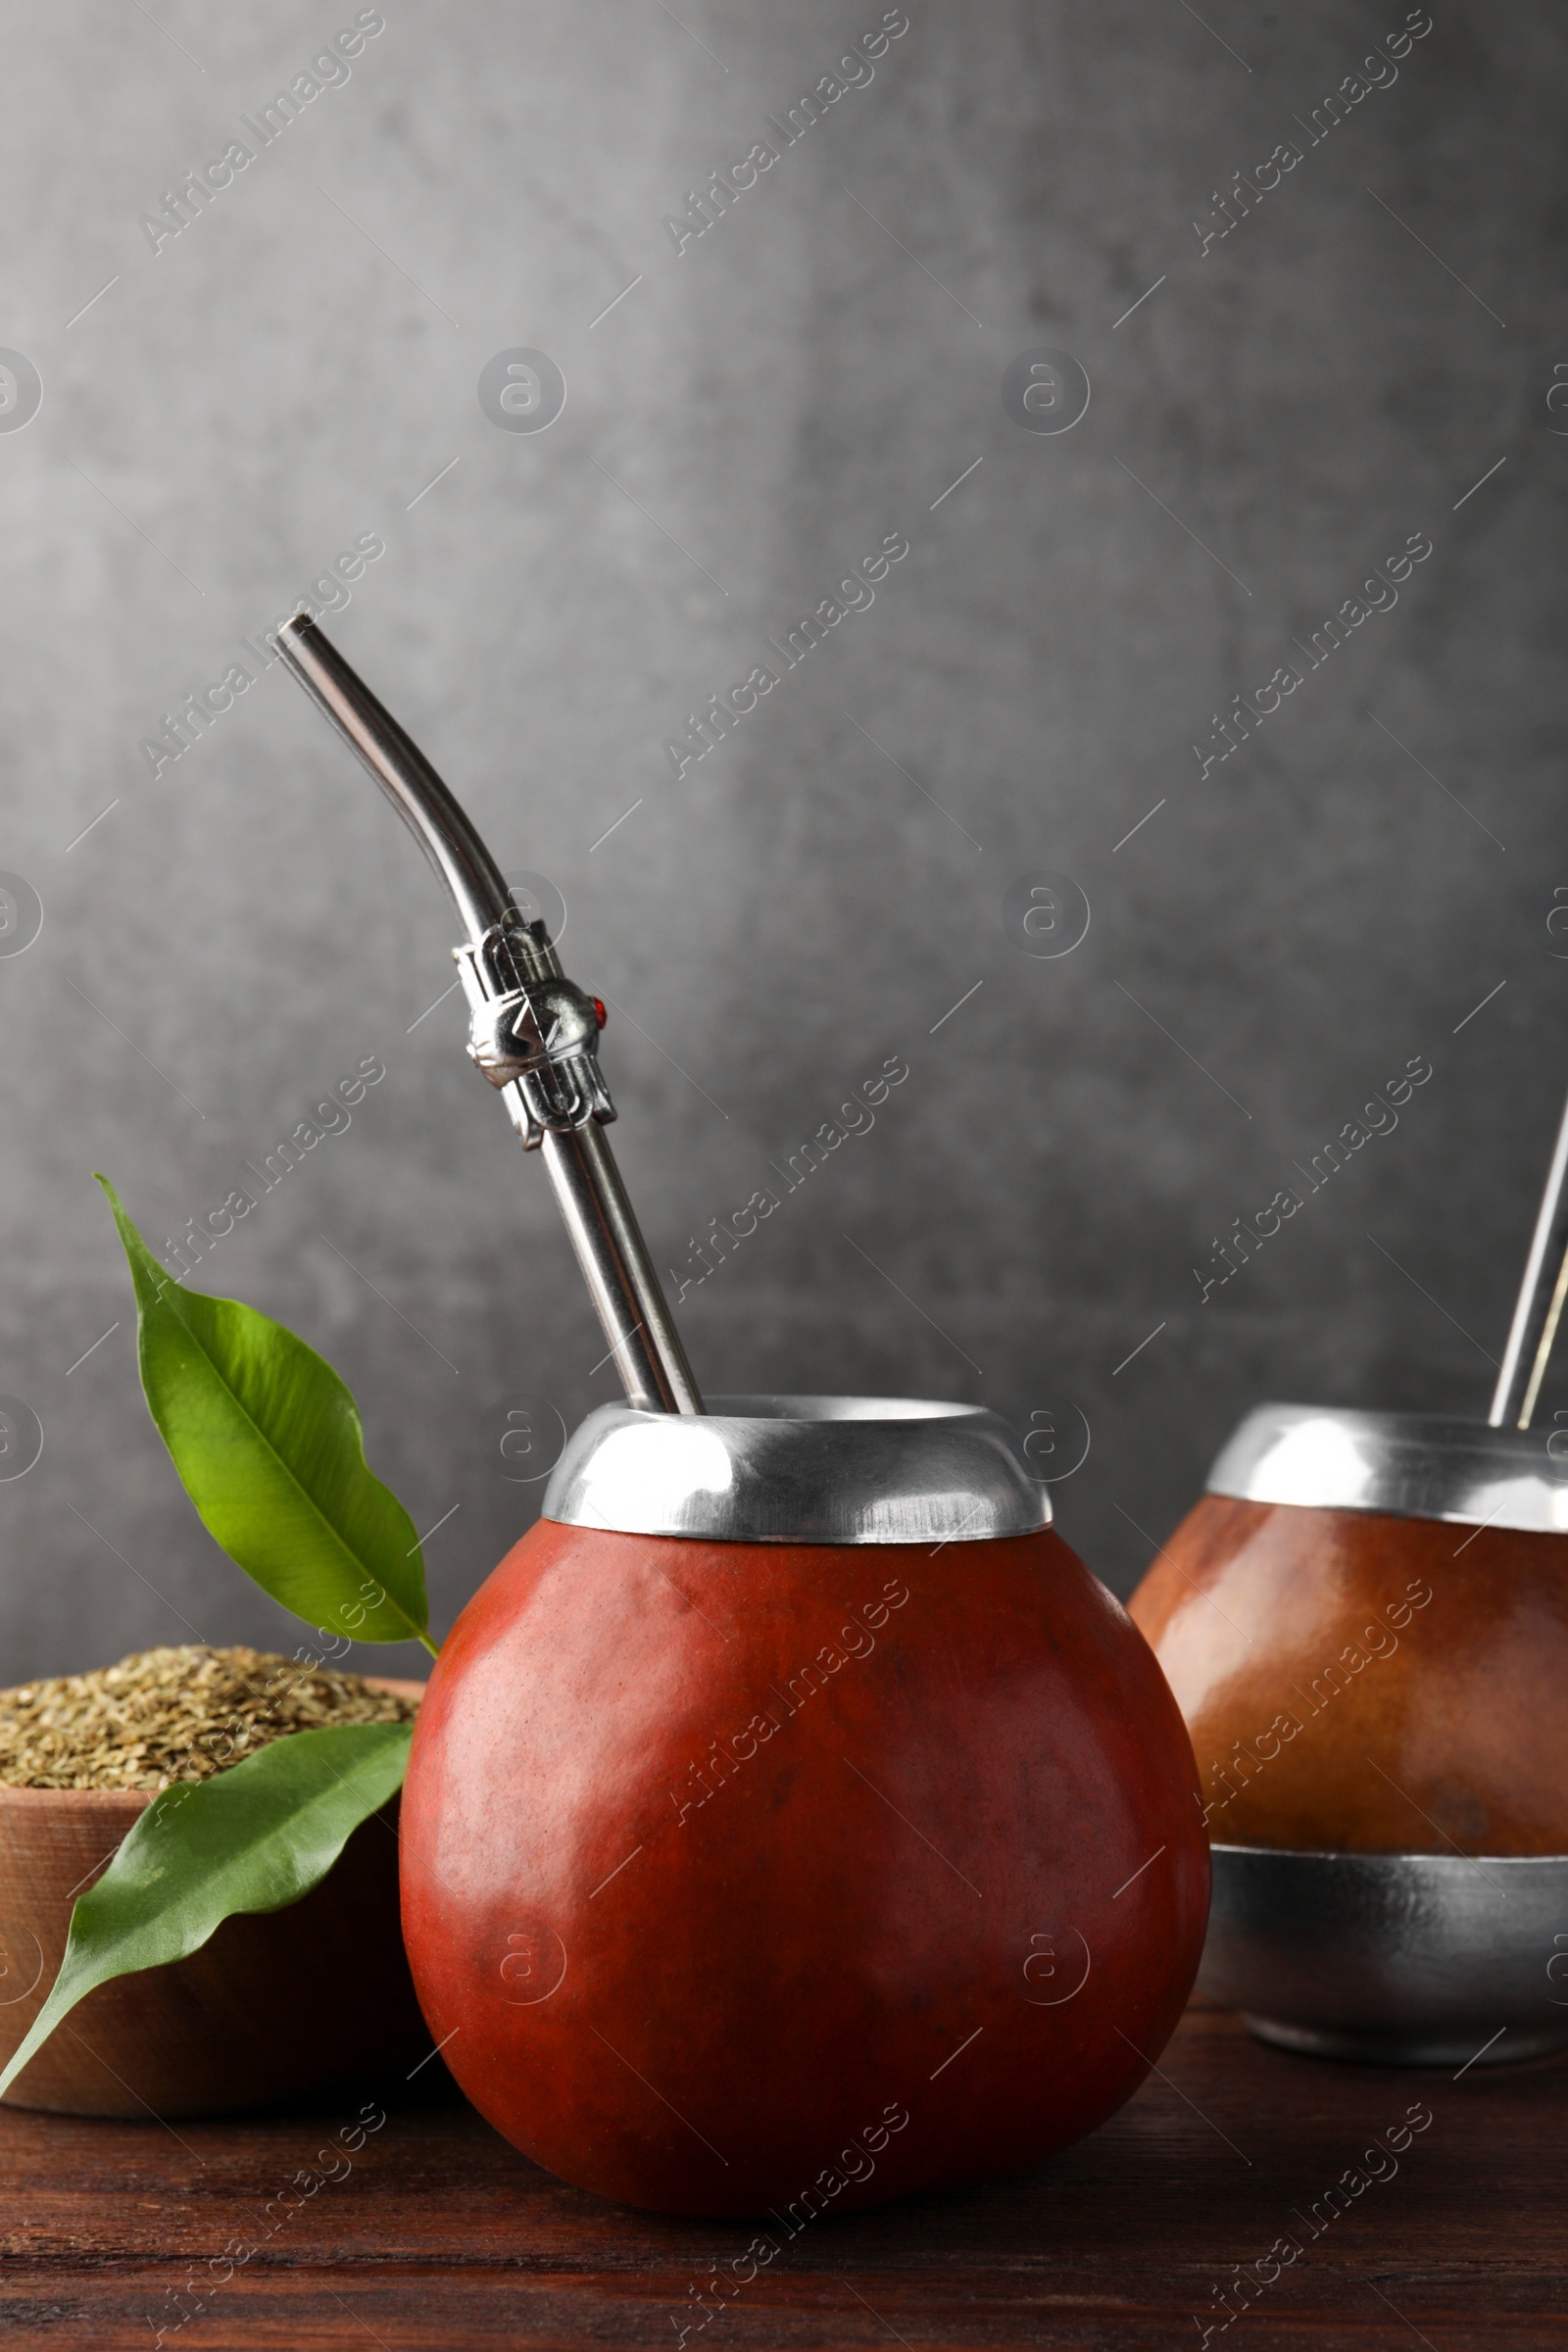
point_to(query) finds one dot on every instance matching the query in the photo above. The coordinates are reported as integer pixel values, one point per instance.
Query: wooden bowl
(274, 2005)
(1371, 1658)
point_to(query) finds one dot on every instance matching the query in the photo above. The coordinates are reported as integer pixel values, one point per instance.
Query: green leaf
(269, 1444)
(253, 1838)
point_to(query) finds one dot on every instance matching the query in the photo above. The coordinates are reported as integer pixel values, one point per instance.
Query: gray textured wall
(287, 376)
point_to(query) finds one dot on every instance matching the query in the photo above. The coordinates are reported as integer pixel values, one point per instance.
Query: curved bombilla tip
(534, 1034)
(421, 799)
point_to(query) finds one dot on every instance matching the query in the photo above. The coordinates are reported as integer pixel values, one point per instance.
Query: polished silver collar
(800, 1470)
(1409, 1465)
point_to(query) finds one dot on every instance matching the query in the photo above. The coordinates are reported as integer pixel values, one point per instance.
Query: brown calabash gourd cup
(1365, 1624)
(1362, 1672)
(793, 1820)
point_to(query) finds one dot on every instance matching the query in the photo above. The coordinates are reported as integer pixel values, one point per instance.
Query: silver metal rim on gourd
(1407, 1465)
(801, 1470)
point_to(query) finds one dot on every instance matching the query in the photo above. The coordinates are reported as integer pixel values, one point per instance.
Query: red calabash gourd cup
(793, 1820)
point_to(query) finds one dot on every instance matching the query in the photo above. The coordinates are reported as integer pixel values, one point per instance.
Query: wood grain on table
(442, 2236)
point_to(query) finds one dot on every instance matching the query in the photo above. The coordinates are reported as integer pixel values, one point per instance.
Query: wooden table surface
(442, 2236)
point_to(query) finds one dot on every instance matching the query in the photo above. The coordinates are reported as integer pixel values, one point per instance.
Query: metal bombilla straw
(1538, 1308)
(534, 1034)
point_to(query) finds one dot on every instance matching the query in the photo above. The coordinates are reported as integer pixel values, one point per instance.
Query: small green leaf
(253, 1838)
(269, 1444)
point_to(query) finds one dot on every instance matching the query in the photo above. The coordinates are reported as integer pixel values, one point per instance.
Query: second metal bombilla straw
(534, 1034)
(1538, 1308)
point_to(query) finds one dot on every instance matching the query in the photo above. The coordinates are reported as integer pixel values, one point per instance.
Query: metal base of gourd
(1393, 1959)
(1403, 2049)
